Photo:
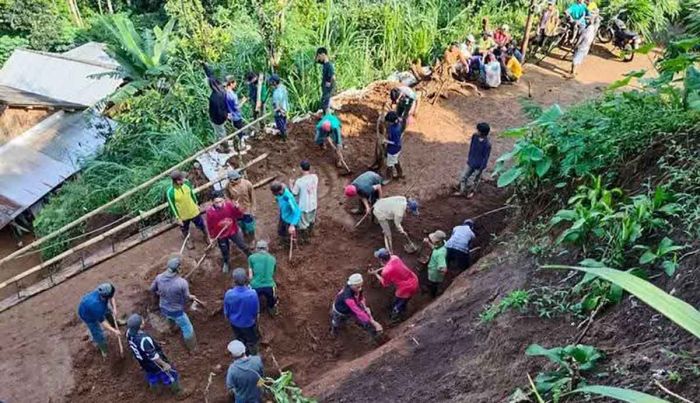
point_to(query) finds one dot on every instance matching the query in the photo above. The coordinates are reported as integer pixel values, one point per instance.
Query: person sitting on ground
(290, 213)
(222, 222)
(253, 79)
(513, 48)
(454, 58)
(514, 70)
(261, 270)
(241, 308)
(173, 293)
(458, 258)
(184, 206)
(468, 47)
(393, 147)
(486, 43)
(234, 108)
(501, 36)
(328, 130)
(395, 272)
(280, 104)
(306, 187)
(150, 356)
(406, 102)
(350, 303)
(242, 193)
(437, 265)
(393, 208)
(479, 153)
(368, 186)
(94, 310)
(244, 374)
(492, 72)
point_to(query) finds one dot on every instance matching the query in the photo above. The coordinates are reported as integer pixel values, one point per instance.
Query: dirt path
(45, 344)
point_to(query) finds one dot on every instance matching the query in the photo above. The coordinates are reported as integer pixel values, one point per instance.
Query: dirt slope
(45, 344)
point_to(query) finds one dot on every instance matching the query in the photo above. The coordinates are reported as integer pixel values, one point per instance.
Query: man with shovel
(150, 356)
(368, 187)
(173, 293)
(394, 208)
(184, 206)
(395, 272)
(350, 303)
(222, 222)
(328, 130)
(94, 309)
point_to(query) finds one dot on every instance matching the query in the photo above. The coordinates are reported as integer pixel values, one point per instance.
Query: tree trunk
(75, 13)
(109, 7)
(528, 28)
(99, 6)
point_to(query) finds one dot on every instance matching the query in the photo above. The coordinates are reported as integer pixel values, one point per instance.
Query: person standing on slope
(395, 272)
(306, 188)
(184, 206)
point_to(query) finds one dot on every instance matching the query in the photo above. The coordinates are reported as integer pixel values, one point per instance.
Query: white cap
(470, 38)
(236, 348)
(355, 279)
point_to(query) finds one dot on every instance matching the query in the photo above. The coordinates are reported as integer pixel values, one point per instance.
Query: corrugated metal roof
(42, 158)
(15, 97)
(58, 76)
(93, 52)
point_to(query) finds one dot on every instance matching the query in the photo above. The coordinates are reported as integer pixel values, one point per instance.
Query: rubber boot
(191, 343)
(399, 170)
(225, 267)
(103, 350)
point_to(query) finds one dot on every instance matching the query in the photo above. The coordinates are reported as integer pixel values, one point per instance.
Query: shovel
(410, 247)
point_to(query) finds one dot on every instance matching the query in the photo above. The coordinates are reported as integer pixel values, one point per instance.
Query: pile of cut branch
(440, 80)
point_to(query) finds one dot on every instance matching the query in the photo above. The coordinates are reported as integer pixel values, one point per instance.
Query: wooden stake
(116, 326)
(528, 27)
(182, 248)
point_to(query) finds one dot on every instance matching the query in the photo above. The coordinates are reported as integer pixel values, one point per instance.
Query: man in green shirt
(437, 265)
(261, 267)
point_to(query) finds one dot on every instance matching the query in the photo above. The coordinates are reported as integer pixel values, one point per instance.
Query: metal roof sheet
(93, 52)
(16, 97)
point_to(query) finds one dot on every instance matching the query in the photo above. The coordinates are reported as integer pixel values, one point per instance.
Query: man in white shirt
(393, 208)
(306, 188)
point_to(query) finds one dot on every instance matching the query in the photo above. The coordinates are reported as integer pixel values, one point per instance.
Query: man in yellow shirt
(184, 206)
(514, 70)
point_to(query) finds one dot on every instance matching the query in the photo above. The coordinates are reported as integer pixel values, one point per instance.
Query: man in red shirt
(222, 224)
(395, 272)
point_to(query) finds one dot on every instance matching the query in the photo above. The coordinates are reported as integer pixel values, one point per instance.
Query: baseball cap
(106, 290)
(274, 79)
(236, 348)
(350, 191)
(174, 263)
(175, 175)
(355, 279)
(437, 236)
(382, 254)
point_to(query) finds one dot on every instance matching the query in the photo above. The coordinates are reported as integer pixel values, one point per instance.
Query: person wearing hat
(437, 265)
(477, 160)
(393, 209)
(327, 79)
(261, 270)
(242, 193)
(368, 186)
(184, 206)
(280, 104)
(222, 222)
(501, 36)
(173, 293)
(244, 374)
(290, 214)
(393, 146)
(241, 308)
(350, 303)
(150, 357)
(306, 188)
(95, 311)
(458, 246)
(329, 130)
(395, 272)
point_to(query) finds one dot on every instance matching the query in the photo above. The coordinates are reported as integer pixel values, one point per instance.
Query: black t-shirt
(328, 74)
(145, 350)
(218, 112)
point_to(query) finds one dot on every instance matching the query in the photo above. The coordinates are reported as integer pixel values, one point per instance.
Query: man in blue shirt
(94, 310)
(393, 145)
(150, 356)
(290, 213)
(578, 12)
(479, 152)
(327, 79)
(458, 245)
(244, 374)
(234, 109)
(241, 307)
(280, 104)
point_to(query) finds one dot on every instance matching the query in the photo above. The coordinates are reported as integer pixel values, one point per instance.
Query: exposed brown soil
(44, 342)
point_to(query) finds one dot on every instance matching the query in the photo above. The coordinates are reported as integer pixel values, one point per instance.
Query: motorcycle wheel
(627, 54)
(605, 35)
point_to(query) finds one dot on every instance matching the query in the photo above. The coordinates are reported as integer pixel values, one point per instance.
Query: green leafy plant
(284, 390)
(625, 395)
(665, 254)
(516, 300)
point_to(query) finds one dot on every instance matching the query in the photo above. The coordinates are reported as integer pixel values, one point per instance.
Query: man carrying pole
(94, 310)
(290, 214)
(173, 294)
(222, 222)
(350, 303)
(306, 188)
(328, 130)
(150, 356)
(241, 308)
(242, 193)
(393, 208)
(395, 272)
(184, 206)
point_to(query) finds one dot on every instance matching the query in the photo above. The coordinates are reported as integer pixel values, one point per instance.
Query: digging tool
(206, 250)
(182, 248)
(116, 326)
(340, 155)
(361, 219)
(167, 373)
(196, 301)
(292, 240)
(410, 247)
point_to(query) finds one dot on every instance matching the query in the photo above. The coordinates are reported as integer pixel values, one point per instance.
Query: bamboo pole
(124, 195)
(115, 230)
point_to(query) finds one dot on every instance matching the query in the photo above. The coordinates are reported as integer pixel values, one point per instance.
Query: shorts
(307, 219)
(392, 159)
(162, 377)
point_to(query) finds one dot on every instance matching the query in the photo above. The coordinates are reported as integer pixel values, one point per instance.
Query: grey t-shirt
(242, 379)
(173, 290)
(365, 183)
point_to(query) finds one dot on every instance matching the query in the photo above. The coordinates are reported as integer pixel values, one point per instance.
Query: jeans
(198, 222)
(269, 294)
(281, 124)
(225, 245)
(457, 260)
(468, 172)
(326, 93)
(97, 334)
(183, 322)
(248, 336)
(399, 307)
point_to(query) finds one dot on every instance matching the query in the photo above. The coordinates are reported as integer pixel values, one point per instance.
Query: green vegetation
(517, 300)
(284, 390)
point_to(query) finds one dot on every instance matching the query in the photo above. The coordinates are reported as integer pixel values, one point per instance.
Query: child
(437, 265)
(479, 153)
(393, 148)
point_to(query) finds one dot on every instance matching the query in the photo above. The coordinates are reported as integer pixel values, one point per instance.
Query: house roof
(39, 160)
(92, 52)
(21, 98)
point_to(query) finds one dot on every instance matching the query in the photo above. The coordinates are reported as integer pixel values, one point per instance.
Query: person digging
(393, 209)
(173, 293)
(290, 214)
(244, 374)
(184, 206)
(395, 272)
(95, 311)
(350, 303)
(150, 357)
(328, 130)
(437, 265)
(241, 308)
(368, 187)
(222, 222)
(261, 271)
(242, 193)
(458, 258)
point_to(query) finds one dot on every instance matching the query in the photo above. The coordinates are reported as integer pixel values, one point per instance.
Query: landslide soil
(45, 344)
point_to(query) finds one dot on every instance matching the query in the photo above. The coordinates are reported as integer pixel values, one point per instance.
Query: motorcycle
(615, 31)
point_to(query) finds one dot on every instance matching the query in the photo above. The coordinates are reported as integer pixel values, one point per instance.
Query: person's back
(280, 98)
(307, 189)
(92, 307)
(479, 152)
(173, 291)
(218, 110)
(241, 193)
(263, 265)
(365, 183)
(389, 207)
(493, 74)
(404, 279)
(289, 209)
(462, 235)
(243, 376)
(241, 306)
(515, 69)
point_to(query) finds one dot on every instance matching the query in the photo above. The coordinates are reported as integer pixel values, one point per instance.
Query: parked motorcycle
(615, 30)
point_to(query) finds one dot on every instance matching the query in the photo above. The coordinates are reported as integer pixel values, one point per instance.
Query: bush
(8, 44)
